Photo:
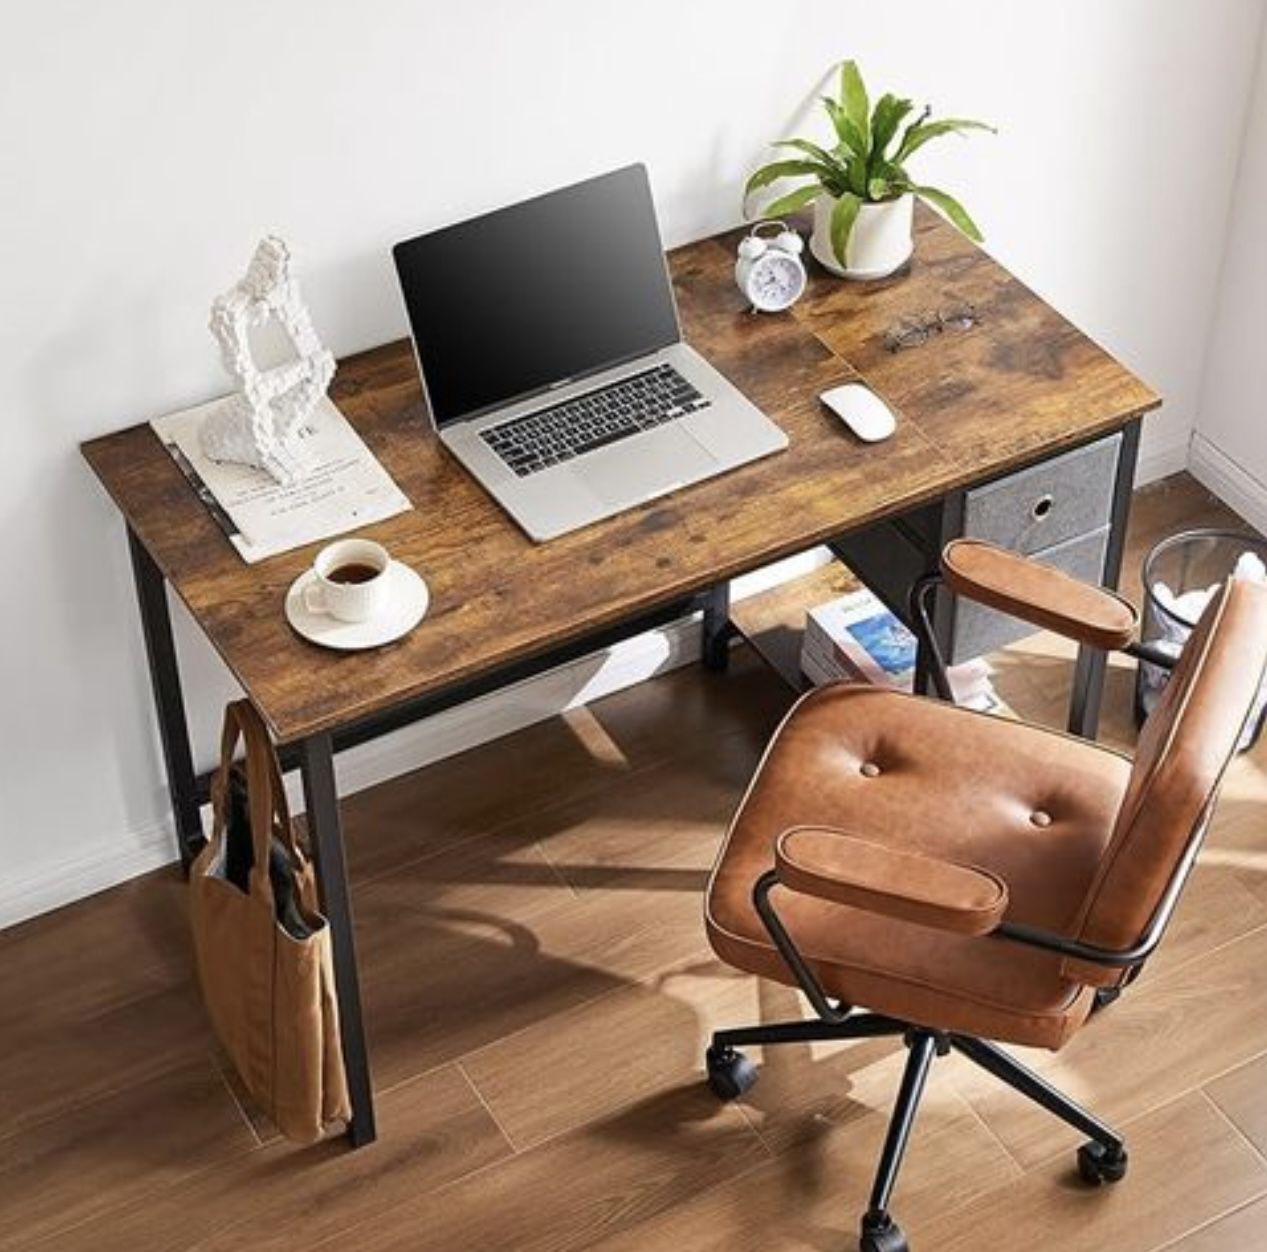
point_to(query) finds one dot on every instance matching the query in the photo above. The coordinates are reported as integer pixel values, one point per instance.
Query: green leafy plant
(867, 163)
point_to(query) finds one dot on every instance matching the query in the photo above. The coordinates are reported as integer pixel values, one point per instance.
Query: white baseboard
(1235, 486)
(1161, 463)
(105, 864)
(127, 854)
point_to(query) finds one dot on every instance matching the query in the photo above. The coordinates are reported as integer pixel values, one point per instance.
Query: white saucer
(408, 598)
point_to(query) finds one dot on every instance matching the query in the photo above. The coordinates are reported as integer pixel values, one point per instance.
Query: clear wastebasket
(1180, 575)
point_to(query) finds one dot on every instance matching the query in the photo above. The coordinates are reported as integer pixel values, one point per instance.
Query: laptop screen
(530, 296)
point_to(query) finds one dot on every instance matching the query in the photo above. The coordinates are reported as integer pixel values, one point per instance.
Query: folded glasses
(910, 332)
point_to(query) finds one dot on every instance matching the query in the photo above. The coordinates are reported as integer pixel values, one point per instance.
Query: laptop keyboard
(551, 436)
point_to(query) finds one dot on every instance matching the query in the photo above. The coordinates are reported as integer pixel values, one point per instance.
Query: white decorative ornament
(769, 270)
(262, 423)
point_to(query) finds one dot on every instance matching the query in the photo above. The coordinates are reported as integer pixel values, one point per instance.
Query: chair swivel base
(1101, 1160)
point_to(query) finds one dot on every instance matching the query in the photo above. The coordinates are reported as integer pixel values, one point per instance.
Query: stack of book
(856, 639)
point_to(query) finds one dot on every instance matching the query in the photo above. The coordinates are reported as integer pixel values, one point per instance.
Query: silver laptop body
(553, 363)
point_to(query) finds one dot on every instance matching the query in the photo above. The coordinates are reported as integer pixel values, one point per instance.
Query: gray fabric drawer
(978, 630)
(1048, 504)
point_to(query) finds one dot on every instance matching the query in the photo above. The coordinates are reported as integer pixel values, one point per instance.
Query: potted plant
(863, 196)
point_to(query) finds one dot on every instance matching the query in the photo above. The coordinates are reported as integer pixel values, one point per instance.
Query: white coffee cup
(350, 580)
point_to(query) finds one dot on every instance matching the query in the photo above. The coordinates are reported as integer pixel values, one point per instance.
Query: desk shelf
(773, 621)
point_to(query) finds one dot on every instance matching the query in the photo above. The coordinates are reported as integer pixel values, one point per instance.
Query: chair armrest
(1036, 593)
(835, 865)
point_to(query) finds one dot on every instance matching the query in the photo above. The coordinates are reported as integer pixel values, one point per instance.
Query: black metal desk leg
(717, 629)
(325, 835)
(169, 702)
(1088, 674)
(1088, 688)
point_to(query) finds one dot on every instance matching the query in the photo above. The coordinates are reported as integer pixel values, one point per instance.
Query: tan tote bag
(268, 986)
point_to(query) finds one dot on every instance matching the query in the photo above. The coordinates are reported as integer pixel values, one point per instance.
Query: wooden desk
(974, 404)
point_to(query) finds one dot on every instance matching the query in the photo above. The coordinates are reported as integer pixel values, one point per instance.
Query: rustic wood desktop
(974, 405)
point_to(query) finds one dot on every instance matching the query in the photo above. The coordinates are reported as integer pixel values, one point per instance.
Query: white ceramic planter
(881, 240)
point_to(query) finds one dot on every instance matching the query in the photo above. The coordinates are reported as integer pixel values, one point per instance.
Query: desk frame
(313, 755)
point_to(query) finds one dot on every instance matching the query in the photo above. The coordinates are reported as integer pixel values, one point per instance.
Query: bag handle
(266, 793)
(232, 731)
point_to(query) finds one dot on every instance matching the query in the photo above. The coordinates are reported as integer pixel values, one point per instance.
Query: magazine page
(345, 488)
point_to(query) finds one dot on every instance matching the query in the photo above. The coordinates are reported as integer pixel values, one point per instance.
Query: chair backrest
(1184, 749)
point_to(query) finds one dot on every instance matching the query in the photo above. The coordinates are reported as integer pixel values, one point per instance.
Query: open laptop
(553, 363)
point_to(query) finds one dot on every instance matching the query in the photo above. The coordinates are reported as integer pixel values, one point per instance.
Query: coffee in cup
(349, 580)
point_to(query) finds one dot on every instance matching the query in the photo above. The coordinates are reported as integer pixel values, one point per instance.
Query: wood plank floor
(538, 993)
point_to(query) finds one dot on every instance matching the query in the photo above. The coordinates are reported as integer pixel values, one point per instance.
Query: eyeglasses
(910, 332)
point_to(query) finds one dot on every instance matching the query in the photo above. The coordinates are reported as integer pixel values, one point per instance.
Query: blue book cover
(886, 641)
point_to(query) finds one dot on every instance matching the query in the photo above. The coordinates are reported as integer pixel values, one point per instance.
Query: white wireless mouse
(861, 410)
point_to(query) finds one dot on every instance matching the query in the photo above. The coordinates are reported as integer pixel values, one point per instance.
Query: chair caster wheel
(1098, 1164)
(883, 1235)
(730, 1073)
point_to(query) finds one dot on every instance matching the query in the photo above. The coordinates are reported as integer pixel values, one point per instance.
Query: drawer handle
(1042, 506)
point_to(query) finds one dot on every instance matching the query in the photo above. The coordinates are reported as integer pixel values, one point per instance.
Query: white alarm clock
(769, 270)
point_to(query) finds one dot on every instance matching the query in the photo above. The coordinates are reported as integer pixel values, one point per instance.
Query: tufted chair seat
(1029, 806)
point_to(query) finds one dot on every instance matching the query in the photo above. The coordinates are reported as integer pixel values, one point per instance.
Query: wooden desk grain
(972, 404)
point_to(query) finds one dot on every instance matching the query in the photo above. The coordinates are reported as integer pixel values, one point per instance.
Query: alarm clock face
(775, 282)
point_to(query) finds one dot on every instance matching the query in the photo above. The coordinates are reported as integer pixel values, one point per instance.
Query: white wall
(1229, 447)
(145, 146)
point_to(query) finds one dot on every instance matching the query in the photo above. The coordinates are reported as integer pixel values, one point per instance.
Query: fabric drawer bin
(1044, 506)
(1057, 512)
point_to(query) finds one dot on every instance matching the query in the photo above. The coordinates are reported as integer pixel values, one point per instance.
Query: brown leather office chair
(969, 878)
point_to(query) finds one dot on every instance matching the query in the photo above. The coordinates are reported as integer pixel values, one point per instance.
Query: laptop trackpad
(638, 468)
